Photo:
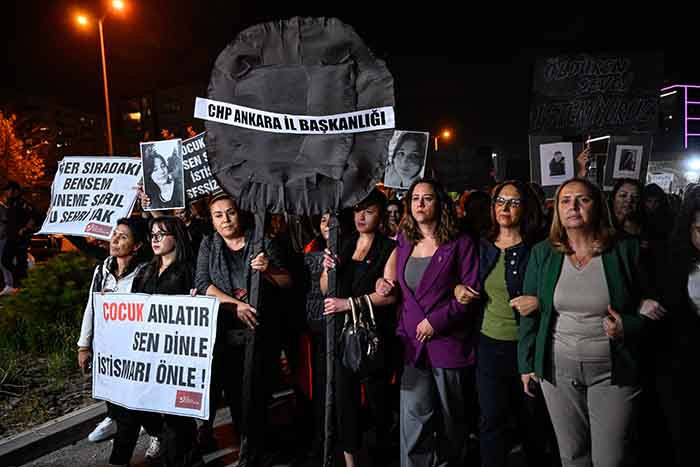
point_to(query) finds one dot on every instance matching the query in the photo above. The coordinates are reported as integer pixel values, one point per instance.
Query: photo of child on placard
(406, 159)
(162, 174)
(627, 161)
(556, 163)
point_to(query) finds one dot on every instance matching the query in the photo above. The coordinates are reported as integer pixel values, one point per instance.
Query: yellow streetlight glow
(444, 134)
(118, 4)
(82, 20)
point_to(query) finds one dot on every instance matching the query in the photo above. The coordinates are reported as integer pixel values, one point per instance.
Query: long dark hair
(137, 228)
(531, 219)
(183, 252)
(446, 230)
(683, 253)
(659, 224)
(638, 214)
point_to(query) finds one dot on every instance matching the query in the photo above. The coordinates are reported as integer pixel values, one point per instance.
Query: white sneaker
(7, 291)
(154, 450)
(103, 431)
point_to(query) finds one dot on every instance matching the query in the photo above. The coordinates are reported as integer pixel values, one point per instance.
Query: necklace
(579, 263)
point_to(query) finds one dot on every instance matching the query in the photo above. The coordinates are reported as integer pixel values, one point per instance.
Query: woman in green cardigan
(582, 342)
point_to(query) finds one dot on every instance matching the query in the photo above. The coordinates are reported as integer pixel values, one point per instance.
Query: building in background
(676, 150)
(145, 117)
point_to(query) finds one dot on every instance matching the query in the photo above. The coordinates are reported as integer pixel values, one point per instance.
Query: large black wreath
(302, 66)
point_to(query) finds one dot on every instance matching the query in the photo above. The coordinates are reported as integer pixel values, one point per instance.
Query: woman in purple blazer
(432, 257)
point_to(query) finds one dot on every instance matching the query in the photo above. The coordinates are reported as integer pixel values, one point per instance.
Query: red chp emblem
(188, 400)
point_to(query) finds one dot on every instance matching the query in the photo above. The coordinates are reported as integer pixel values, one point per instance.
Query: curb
(55, 434)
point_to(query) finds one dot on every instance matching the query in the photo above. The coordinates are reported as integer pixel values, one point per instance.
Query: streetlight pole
(117, 5)
(110, 147)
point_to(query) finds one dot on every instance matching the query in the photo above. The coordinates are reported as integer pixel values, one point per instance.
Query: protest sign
(552, 161)
(381, 118)
(162, 174)
(154, 352)
(663, 179)
(577, 94)
(199, 181)
(89, 195)
(628, 157)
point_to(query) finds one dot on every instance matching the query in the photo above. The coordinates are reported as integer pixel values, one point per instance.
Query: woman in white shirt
(115, 274)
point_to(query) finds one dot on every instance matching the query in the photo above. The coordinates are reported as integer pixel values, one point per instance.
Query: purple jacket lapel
(439, 261)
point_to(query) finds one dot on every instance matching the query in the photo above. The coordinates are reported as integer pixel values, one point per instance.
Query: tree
(17, 163)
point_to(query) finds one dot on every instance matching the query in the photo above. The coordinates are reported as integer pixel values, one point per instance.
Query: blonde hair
(603, 231)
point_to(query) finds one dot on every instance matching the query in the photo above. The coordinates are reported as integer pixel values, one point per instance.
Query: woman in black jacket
(362, 257)
(170, 272)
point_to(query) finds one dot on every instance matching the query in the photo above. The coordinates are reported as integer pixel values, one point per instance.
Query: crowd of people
(565, 329)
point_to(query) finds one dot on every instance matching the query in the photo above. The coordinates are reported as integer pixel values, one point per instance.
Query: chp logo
(188, 400)
(99, 229)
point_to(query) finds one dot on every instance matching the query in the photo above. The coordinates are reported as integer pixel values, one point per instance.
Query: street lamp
(82, 20)
(444, 134)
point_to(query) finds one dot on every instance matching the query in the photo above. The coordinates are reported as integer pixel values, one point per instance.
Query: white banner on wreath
(380, 118)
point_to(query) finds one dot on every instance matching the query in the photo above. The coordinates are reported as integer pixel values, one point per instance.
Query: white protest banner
(89, 195)
(154, 352)
(663, 179)
(199, 181)
(381, 118)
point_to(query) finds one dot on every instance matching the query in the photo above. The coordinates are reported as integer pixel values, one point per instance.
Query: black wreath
(301, 66)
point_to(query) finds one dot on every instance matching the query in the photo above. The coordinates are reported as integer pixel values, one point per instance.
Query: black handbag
(361, 345)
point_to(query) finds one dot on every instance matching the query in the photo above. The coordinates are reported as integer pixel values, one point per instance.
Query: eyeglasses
(503, 202)
(157, 237)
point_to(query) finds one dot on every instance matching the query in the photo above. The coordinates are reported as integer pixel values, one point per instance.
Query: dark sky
(469, 70)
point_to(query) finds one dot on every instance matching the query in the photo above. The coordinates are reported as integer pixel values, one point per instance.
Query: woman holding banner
(170, 272)
(224, 267)
(116, 274)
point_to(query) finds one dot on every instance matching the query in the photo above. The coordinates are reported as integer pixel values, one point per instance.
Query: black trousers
(502, 401)
(178, 435)
(129, 423)
(348, 400)
(226, 380)
(228, 369)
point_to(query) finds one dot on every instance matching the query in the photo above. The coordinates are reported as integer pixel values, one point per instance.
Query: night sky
(470, 71)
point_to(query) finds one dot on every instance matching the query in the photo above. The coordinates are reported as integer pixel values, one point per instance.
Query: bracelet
(83, 349)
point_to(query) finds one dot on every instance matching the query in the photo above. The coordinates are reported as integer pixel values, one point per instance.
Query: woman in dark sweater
(224, 266)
